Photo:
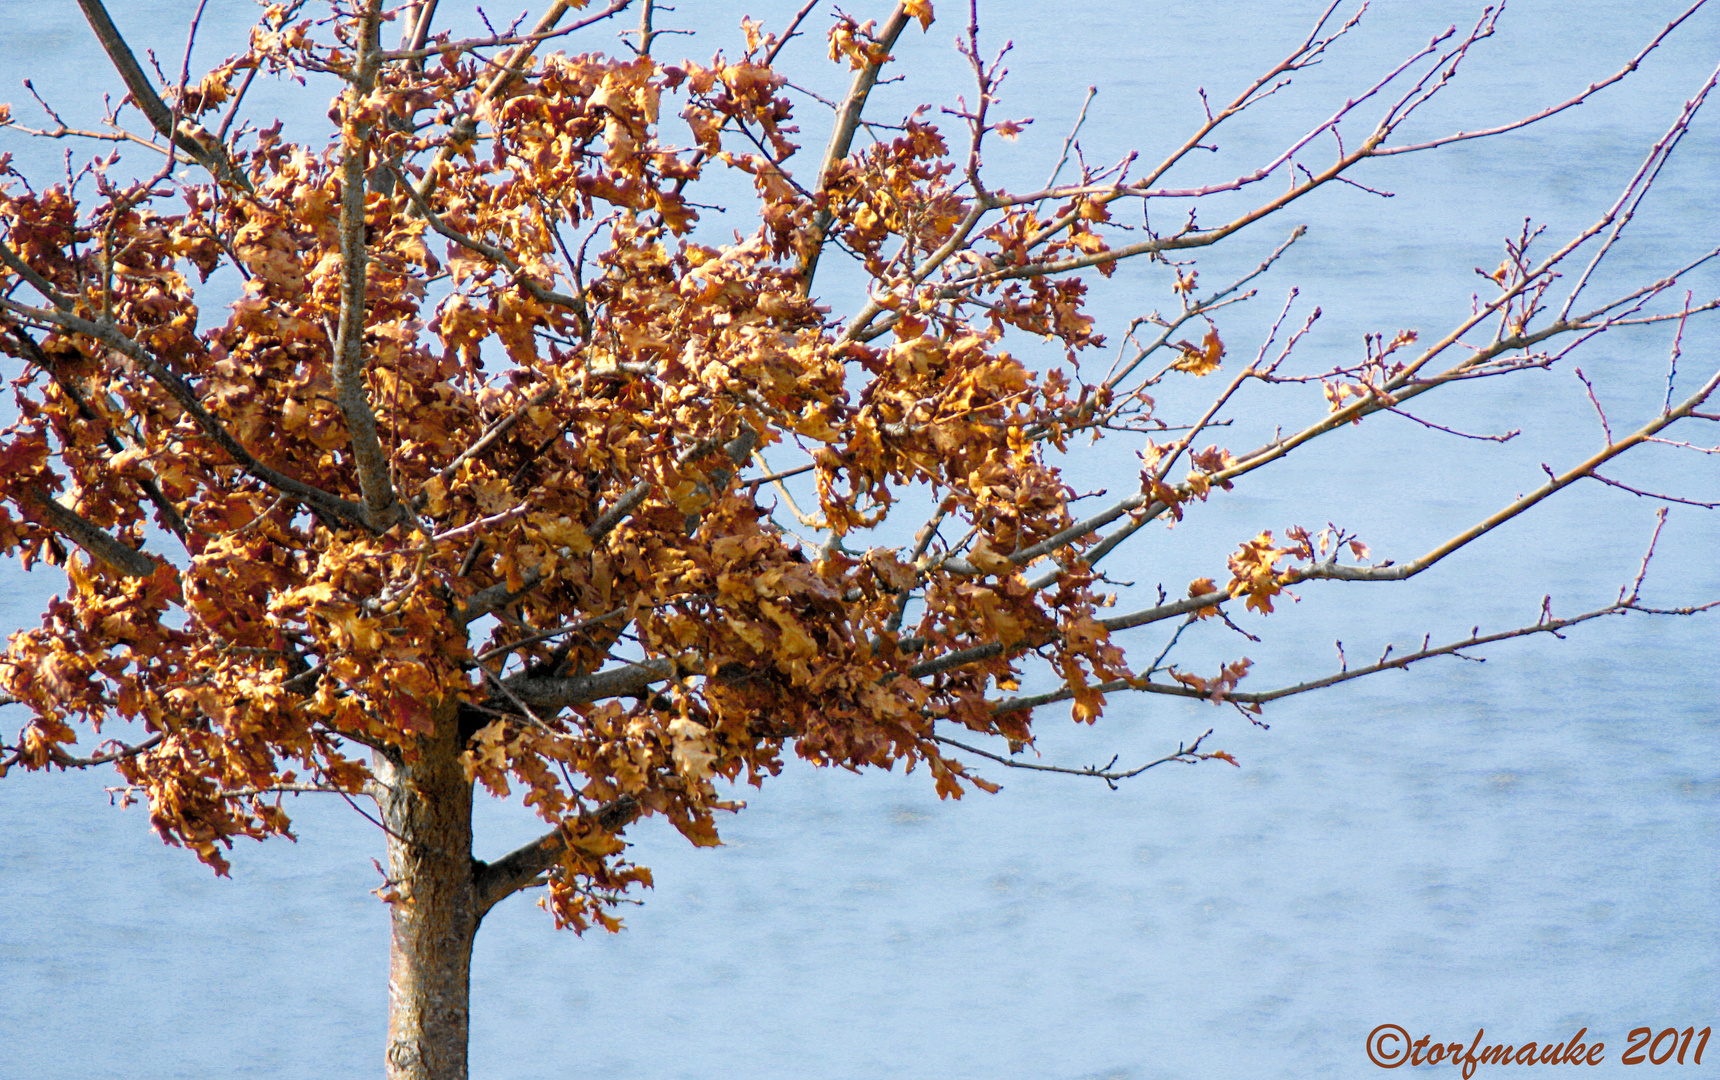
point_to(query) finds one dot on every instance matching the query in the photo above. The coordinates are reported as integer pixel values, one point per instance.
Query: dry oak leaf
(1202, 359)
(1203, 587)
(692, 749)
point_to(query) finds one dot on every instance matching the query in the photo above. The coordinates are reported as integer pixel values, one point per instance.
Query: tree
(566, 576)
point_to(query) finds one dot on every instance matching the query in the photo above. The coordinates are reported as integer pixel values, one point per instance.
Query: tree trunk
(427, 805)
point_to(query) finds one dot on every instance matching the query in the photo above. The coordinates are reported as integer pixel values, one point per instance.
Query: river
(1527, 845)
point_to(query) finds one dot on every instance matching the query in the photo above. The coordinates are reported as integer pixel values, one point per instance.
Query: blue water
(1527, 845)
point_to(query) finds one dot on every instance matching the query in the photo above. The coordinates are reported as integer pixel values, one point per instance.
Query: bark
(426, 804)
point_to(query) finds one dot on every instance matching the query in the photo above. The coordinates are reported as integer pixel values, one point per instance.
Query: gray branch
(551, 692)
(93, 539)
(202, 147)
(495, 882)
(381, 504)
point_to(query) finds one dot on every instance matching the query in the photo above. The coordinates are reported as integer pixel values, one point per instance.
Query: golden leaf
(436, 496)
(988, 560)
(1202, 359)
(795, 642)
(692, 749)
(893, 572)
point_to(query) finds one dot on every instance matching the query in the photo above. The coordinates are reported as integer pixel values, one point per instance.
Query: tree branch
(551, 693)
(1592, 89)
(495, 882)
(67, 761)
(381, 503)
(842, 137)
(90, 537)
(170, 515)
(1401, 571)
(192, 138)
(1188, 755)
(334, 507)
(1332, 571)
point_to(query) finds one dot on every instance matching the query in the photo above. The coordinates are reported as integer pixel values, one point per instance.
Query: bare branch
(1555, 483)
(202, 147)
(1593, 89)
(1188, 755)
(544, 635)
(1081, 118)
(842, 137)
(421, 51)
(551, 692)
(496, 597)
(1547, 625)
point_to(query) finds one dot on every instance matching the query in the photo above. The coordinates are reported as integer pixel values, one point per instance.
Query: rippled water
(1527, 845)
